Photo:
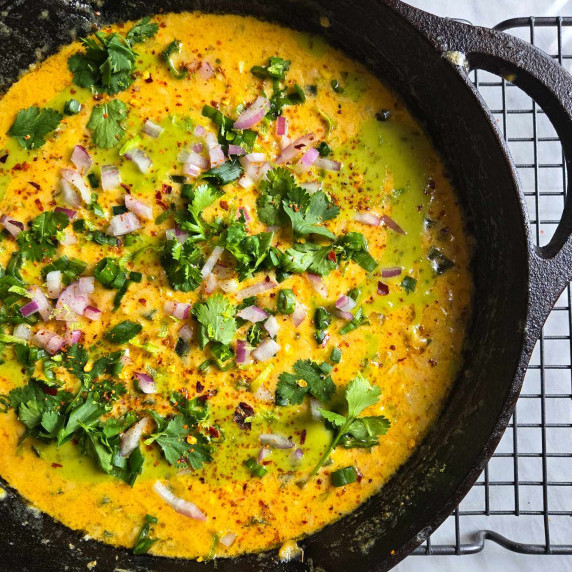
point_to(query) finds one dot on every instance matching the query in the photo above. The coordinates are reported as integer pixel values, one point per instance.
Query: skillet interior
(442, 469)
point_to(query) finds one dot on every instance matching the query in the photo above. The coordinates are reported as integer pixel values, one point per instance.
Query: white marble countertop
(494, 558)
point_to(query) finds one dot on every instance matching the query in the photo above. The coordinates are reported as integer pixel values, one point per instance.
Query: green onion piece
(93, 180)
(72, 106)
(174, 48)
(336, 86)
(343, 477)
(408, 284)
(324, 149)
(256, 469)
(322, 318)
(286, 303)
(326, 368)
(336, 355)
(205, 366)
(118, 209)
(123, 332)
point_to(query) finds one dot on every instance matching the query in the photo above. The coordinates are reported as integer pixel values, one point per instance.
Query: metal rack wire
(523, 499)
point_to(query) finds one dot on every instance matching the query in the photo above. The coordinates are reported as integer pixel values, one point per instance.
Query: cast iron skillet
(516, 283)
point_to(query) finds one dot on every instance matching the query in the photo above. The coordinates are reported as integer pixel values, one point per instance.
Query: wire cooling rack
(523, 499)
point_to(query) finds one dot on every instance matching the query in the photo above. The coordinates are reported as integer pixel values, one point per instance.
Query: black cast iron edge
(550, 267)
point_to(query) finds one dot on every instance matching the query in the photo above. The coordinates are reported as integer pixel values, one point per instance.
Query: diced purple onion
(152, 129)
(241, 352)
(266, 350)
(197, 148)
(14, 227)
(390, 223)
(244, 212)
(123, 224)
(81, 159)
(255, 157)
(139, 208)
(327, 164)
(390, 272)
(210, 283)
(271, 326)
(216, 154)
(44, 305)
(295, 148)
(77, 182)
(299, 314)
(229, 285)
(205, 70)
(70, 213)
(368, 218)
(250, 170)
(71, 303)
(253, 114)
(178, 310)
(110, 177)
(252, 314)
(86, 285)
(72, 337)
(22, 331)
(69, 195)
(176, 234)
(140, 158)
(186, 333)
(263, 394)
(211, 261)
(29, 309)
(199, 131)
(256, 289)
(345, 303)
(275, 441)
(131, 438)
(54, 283)
(344, 315)
(191, 170)
(297, 455)
(263, 453)
(92, 313)
(281, 126)
(50, 341)
(317, 284)
(308, 158)
(68, 238)
(184, 507)
(236, 150)
(228, 539)
(194, 158)
(145, 383)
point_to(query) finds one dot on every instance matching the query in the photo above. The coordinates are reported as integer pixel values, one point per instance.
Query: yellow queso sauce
(414, 303)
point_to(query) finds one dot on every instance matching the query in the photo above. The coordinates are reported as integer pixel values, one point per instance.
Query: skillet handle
(550, 86)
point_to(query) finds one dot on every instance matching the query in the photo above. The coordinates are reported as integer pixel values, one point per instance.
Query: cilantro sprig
(106, 123)
(32, 125)
(308, 378)
(359, 395)
(41, 240)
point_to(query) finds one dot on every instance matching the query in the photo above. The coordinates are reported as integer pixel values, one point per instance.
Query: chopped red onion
(110, 177)
(199, 131)
(345, 303)
(92, 313)
(222, 271)
(70, 213)
(68, 238)
(297, 455)
(76, 181)
(81, 159)
(123, 224)
(205, 70)
(344, 315)
(152, 129)
(382, 289)
(281, 126)
(241, 351)
(299, 314)
(253, 114)
(308, 158)
(72, 337)
(252, 314)
(69, 195)
(14, 227)
(255, 157)
(266, 350)
(216, 154)
(178, 310)
(317, 284)
(256, 289)
(54, 283)
(211, 261)
(390, 272)
(182, 506)
(368, 218)
(327, 164)
(210, 283)
(22, 331)
(44, 307)
(284, 142)
(191, 170)
(275, 441)
(271, 326)
(50, 341)
(250, 170)
(145, 383)
(263, 394)
(176, 234)
(390, 223)
(86, 285)
(228, 539)
(230, 285)
(139, 208)
(236, 150)
(186, 333)
(197, 148)
(263, 453)
(29, 309)
(71, 303)
(194, 158)
(140, 158)
(131, 438)
(295, 148)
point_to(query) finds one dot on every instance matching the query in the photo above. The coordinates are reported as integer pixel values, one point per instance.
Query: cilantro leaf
(195, 410)
(277, 184)
(33, 124)
(105, 123)
(224, 174)
(309, 257)
(216, 318)
(308, 377)
(364, 432)
(142, 31)
(182, 264)
(123, 332)
(40, 241)
(276, 68)
(191, 220)
(353, 246)
(305, 215)
(360, 394)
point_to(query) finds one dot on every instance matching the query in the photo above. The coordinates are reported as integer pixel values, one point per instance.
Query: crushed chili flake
(332, 256)
(39, 204)
(243, 412)
(303, 437)
(4, 158)
(35, 185)
(382, 289)
(199, 387)
(57, 466)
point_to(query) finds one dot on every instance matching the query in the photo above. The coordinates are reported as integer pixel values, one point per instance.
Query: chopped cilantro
(191, 220)
(360, 319)
(182, 264)
(308, 377)
(142, 31)
(40, 241)
(143, 542)
(409, 284)
(106, 123)
(174, 48)
(33, 124)
(216, 320)
(224, 174)
(276, 68)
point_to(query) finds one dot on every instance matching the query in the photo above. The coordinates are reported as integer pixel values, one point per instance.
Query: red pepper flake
(126, 187)
(39, 204)
(149, 80)
(359, 476)
(142, 301)
(382, 289)
(223, 205)
(303, 437)
(21, 166)
(213, 432)
(4, 158)
(57, 466)
(243, 412)
(35, 185)
(332, 256)
(200, 387)
(166, 189)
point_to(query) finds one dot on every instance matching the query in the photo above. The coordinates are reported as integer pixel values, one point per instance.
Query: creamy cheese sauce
(410, 349)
